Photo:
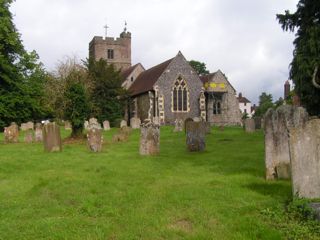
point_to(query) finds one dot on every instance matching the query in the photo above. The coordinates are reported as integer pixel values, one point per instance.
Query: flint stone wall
(277, 124)
(149, 139)
(52, 138)
(305, 159)
(196, 132)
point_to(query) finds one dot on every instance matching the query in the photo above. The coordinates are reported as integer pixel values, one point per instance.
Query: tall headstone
(149, 138)
(106, 125)
(135, 123)
(95, 139)
(178, 125)
(52, 138)
(277, 124)
(123, 123)
(196, 132)
(11, 133)
(30, 125)
(28, 137)
(249, 125)
(38, 133)
(305, 159)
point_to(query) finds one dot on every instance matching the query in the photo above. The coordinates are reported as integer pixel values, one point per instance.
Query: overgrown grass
(117, 194)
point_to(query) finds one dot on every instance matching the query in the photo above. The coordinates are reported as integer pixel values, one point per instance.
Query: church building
(170, 90)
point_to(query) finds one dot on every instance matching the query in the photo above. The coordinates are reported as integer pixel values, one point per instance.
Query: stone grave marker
(196, 132)
(106, 125)
(28, 137)
(95, 138)
(11, 133)
(123, 123)
(52, 138)
(257, 122)
(93, 122)
(38, 133)
(178, 125)
(86, 124)
(277, 124)
(149, 138)
(249, 125)
(186, 123)
(30, 125)
(305, 159)
(135, 123)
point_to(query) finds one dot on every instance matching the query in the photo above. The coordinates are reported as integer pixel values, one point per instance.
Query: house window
(180, 96)
(217, 104)
(110, 54)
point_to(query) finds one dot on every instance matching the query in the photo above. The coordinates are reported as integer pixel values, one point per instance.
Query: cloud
(242, 38)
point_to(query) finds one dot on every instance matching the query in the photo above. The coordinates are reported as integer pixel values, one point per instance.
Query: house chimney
(286, 90)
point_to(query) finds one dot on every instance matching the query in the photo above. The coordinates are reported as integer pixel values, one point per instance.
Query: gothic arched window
(180, 96)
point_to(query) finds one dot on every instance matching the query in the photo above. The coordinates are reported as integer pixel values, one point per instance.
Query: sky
(241, 38)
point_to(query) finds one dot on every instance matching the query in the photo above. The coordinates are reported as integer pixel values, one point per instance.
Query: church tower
(115, 51)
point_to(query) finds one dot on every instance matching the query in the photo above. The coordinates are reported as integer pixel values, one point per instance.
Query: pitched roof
(243, 100)
(215, 77)
(148, 78)
(126, 72)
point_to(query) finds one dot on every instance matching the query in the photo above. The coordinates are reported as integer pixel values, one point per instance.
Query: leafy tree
(21, 75)
(265, 102)
(200, 67)
(306, 56)
(107, 95)
(76, 101)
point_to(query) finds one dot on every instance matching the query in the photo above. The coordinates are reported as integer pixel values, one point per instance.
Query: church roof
(126, 72)
(215, 77)
(148, 78)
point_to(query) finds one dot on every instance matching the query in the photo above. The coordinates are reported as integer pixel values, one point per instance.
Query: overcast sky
(242, 38)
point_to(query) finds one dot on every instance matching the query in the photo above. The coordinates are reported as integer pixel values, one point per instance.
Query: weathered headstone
(149, 138)
(11, 133)
(196, 132)
(30, 125)
(28, 137)
(257, 122)
(178, 125)
(67, 125)
(135, 123)
(86, 125)
(106, 125)
(95, 139)
(305, 159)
(23, 127)
(186, 123)
(277, 124)
(93, 122)
(207, 127)
(38, 133)
(249, 125)
(197, 119)
(122, 135)
(123, 123)
(52, 138)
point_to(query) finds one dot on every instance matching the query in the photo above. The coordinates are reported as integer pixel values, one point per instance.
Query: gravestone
(52, 138)
(149, 138)
(67, 125)
(106, 125)
(38, 133)
(30, 125)
(207, 127)
(86, 125)
(186, 122)
(93, 122)
(123, 123)
(122, 135)
(178, 125)
(11, 133)
(249, 125)
(23, 127)
(196, 132)
(95, 139)
(305, 159)
(277, 124)
(135, 123)
(257, 122)
(28, 137)
(197, 119)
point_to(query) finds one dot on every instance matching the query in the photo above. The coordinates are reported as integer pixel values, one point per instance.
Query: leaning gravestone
(52, 138)
(249, 125)
(135, 123)
(277, 124)
(305, 159)
(11, 133)
(106, 125)
(196, 132)
(95, 138)
(149, 138)
(28, 137)
(123, 123)
(38, 133)
(178, 125)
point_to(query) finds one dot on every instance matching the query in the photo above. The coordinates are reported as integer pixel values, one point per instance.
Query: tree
(265, 102)
(21, 75)
(107, 95)
(306, 55)
(200, 67)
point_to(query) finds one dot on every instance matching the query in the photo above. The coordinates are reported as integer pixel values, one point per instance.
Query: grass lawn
(117, 194)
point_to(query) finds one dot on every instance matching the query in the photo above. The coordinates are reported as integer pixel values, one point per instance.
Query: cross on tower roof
(106, 30)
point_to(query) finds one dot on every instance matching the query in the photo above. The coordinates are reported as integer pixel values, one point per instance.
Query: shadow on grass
(275, 189)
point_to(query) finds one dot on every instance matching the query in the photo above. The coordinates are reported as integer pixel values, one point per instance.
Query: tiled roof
(148, 78)
(243, 100)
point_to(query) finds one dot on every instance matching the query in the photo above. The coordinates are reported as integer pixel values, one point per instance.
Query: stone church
(170, 90)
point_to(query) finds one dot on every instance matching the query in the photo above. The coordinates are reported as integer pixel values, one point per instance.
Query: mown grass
(117, 194)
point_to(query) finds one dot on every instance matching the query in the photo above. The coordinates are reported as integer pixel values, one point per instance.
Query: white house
(245, 105)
